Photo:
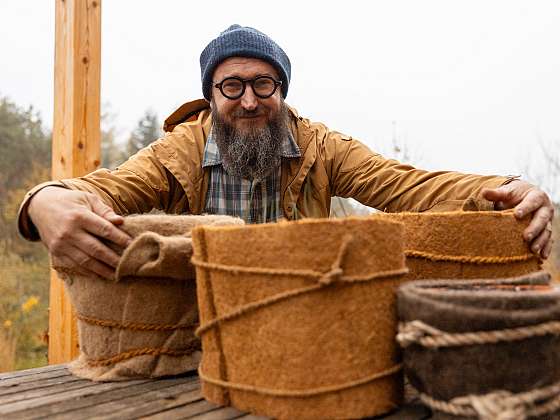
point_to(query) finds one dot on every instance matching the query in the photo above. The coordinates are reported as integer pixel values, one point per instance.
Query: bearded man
(242, 151)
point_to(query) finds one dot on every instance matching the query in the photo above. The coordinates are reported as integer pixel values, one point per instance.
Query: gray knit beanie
(242, 41)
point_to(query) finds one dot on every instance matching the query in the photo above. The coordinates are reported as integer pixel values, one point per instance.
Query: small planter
(142, 324)
(466, 245)
(483, 348)
(298, 319)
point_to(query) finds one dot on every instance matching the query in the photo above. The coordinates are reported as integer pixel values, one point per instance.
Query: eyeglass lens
(262, 86)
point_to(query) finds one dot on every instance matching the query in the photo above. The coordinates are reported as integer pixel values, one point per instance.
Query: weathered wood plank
(76, 134)
(22, 387)
(252, 417)
(34, 371)
(59, 373)
(118, 401)
(220, 413)
(29, 395)
(167, 399)
(91, 388)
(187, 409)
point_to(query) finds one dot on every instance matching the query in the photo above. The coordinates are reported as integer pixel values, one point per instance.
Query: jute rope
(501, 405)
(301, 393)
(152, 351)
(418, 332)
(335, 274)
(134, 326)
(410, 253)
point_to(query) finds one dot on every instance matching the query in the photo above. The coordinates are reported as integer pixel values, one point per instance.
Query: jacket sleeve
(388, 185)
(139, 185)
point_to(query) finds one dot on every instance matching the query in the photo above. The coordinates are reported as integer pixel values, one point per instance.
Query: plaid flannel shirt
(255, 201)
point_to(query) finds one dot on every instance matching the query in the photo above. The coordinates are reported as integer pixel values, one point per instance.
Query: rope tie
(418, 332)
(496, 259)
(134, 326)
(300, 393)
(151, 351)
(501, 404)
(335, 274)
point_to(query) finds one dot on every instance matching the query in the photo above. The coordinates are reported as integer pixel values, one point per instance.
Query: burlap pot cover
(298, 320)
(142, 324)
(466, 245)
(483, 348)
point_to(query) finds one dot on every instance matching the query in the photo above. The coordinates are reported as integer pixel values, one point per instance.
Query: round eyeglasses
(234, 87)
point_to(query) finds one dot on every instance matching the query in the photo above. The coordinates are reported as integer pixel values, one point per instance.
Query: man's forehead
(243, 67)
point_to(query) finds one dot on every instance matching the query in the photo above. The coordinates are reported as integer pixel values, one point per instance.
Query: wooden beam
(76, 146)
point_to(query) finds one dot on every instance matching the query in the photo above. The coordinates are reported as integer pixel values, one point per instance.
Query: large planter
(143, 323)
(298, 319)
(486, 349)
(466, 245)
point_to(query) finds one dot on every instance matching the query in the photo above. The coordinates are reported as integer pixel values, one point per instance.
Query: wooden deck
(54, 392)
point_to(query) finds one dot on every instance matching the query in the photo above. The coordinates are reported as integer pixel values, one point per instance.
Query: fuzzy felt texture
(490, 244)
(142, 324)
(481, 305)
(340, 333)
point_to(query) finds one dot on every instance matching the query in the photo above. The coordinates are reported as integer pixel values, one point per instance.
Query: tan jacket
(168, 175)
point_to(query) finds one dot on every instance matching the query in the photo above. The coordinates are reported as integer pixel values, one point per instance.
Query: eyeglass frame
(244, 82)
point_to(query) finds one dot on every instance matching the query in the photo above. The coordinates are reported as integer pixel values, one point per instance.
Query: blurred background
(470, 86)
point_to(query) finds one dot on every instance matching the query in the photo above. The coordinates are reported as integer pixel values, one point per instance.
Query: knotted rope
(468, 259)
(335, 274)
(418, 332)
(152, 351)
(324, 279)
(501, 405)
(134, 326)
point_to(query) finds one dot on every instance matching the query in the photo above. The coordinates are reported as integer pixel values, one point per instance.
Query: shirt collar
(288, 149)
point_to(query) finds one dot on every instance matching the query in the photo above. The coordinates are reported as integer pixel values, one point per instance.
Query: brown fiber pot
(466, 245)
(142, 324)
(460, 306)
(311, 355)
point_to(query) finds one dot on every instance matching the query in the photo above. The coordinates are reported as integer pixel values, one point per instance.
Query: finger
(495, 194)
(547, 249)
(532, 201)
(103, 210)
(96, 249)
(105, 229)
(540, 241)
(538, 223)
(86, 262)
(62, 262)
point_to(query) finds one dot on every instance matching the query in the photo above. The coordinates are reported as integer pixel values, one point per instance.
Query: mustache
(244, 113)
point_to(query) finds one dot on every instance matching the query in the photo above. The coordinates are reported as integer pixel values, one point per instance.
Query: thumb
(103, 210)
(498, 195)
(495, 194)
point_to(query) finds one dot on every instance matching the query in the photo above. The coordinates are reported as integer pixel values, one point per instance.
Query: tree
(147, 130)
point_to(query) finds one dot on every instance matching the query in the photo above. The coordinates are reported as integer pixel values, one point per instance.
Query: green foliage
(24, 161)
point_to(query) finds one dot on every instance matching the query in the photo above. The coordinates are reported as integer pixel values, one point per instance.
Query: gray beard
(253, 153)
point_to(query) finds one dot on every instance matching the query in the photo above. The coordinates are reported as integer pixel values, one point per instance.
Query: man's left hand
(527, 199)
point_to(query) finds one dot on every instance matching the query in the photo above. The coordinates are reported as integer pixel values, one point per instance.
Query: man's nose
(249, 100)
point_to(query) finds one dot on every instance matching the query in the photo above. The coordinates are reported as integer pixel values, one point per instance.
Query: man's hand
(71, 225)
(527, 199)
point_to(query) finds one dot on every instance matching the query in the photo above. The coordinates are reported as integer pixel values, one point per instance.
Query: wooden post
(76, 145)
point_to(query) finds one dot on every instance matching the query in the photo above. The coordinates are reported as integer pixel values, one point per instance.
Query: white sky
(471, 86)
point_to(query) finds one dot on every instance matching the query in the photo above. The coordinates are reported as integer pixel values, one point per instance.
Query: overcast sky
(471, 86)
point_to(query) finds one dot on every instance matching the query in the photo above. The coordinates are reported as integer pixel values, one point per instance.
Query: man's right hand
(71, 225)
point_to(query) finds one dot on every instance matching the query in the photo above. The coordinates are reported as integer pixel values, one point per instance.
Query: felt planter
(466, 245)
(298, 319)
(142, 324)
(483, 348)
